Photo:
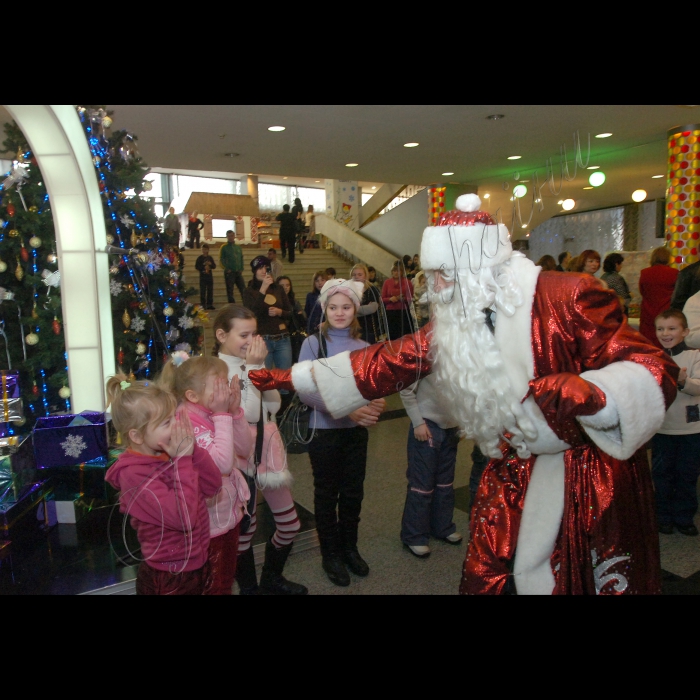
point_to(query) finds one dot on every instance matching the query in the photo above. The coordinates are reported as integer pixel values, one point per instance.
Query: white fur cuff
(634, 411)
(336, 382)
(303, 379)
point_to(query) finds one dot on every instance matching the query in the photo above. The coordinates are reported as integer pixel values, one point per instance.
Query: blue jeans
(430, 497)
(675, 467)
(279, 355)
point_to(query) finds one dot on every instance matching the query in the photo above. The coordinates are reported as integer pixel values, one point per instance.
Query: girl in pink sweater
(164, 479)
(220, 428)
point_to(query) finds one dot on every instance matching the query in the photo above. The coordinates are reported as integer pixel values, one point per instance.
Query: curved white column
(57, 140)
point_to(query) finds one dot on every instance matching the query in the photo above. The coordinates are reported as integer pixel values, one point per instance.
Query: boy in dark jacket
(205, 264)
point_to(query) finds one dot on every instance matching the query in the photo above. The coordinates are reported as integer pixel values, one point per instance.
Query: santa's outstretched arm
(349, 380)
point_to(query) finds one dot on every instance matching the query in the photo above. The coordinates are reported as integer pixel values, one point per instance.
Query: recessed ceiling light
(374, 187)
(514, 157)
(317, 181)
(588, 188)
(413, 144)
(351, 165)
(656, 177)
(276, 128)
(447, 174)
(593, 167)
(568, 204)
(495, 117)
(487, 195)
(639, 195)
(285, 178)
(603, 136)
(596, 179)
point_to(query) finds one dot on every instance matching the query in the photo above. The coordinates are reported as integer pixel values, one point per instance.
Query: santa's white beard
(471, 374)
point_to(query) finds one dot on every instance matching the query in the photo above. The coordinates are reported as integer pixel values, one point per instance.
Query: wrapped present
(17, 466)
(68, 440)
(18, 516)
(83, 480)
(11, 408)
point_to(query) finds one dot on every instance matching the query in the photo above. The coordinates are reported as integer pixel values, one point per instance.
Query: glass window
(273, 197)
(220, 226)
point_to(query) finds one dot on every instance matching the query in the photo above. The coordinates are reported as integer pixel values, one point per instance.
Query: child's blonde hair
(191, 374)
(136, 405)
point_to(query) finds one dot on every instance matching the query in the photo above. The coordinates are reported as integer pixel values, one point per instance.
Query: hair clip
(178, 357)
(124, 385)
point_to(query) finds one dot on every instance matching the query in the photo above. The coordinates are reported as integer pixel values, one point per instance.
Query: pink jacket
(228, 441)
(166, 502)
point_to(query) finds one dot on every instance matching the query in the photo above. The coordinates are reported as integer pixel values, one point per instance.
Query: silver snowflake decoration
(74, 446)
(185, 322)
(172, 335)
(184, 346)
(155, 261)
(137, 324)
(115, 288)
(127, 221)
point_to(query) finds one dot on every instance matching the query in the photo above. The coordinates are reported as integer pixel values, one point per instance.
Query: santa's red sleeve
(350, 380)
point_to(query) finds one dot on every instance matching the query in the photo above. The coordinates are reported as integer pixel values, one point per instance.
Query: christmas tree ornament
(126, 319)
(120, 357)
(35, 242)
(56, 326)
(35, 390)
(35, 315)
(64, 392)
(110, 238)
(19, 422)
(11, 209)
(96, 160)
(133, 240)
(19, 272)
(142, 257)
(140, 349)
(34, 209)
(13, 232)
(24, 253)
(167, 311)
(51, 258)
(147, 186)
(3, 266)
(32, 339)
(143, 305)
(107, 122)
(114, 270)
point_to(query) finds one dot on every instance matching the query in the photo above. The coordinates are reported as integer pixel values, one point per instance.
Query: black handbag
(294, 426)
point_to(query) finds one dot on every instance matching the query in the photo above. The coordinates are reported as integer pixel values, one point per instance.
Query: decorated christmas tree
(150, 311)
(31, 327)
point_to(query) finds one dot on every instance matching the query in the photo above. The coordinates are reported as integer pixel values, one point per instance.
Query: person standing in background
(308, 225)
(397, 295)
(171, 228)
(194, 226)
(287, 232)
(205, 264)
(612, 277)
(275, 265)
(298, 212)
(231, 259)
(687, 284)
(656, 285)
(564, 260)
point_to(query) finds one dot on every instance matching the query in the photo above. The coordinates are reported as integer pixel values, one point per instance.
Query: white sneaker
(454, 538)
(419, 550)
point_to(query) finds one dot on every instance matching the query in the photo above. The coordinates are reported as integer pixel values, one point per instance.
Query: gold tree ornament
(19, 272)
(31, 339)
(13, 233)
(3, 266)
(140, 349)
(64, 392)
(35, 241)
(133, 240)
(34, 209)
(126, 319)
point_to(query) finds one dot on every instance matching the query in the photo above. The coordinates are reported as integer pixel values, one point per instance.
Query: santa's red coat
(608, 541)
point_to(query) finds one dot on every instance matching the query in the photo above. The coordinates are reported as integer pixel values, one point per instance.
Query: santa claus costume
(543, 371)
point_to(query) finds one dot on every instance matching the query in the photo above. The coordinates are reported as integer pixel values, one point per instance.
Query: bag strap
(322, 344)
(260, 435)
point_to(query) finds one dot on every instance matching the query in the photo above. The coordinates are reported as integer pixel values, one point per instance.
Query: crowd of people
(203, 437)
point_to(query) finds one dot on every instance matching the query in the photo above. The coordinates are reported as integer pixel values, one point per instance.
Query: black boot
(351, 556)
(245, 573)
(271, 580)
(335, 568)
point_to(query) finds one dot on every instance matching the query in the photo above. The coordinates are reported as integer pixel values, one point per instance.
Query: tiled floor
(77, 558)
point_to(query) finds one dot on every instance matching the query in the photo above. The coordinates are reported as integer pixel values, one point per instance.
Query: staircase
(301, 273)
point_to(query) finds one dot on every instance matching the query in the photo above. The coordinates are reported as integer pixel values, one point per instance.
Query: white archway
(57, 140)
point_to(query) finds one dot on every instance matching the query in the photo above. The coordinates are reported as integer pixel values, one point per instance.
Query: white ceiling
(320, 139)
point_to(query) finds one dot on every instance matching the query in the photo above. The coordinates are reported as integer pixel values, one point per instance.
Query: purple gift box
(10, 384)
(59, 444)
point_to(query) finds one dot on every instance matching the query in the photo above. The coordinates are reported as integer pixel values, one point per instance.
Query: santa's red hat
(465, 239)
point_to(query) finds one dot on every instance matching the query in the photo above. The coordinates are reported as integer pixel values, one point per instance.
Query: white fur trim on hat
(468, 202)
(465, 247)
(351, 289)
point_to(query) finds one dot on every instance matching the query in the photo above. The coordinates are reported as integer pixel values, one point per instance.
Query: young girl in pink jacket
(214, 408)
(163, 479)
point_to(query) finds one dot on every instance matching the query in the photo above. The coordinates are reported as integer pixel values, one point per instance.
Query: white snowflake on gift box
(115, 288)
(185, 322)
(74, 446)
(137, 324)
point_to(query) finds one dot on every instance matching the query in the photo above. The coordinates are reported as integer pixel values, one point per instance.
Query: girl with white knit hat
(338, 450)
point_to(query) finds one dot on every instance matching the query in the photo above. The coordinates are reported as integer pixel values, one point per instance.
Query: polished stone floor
(76, 558)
